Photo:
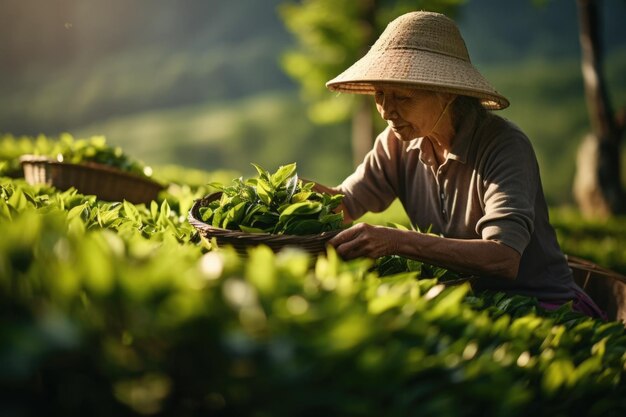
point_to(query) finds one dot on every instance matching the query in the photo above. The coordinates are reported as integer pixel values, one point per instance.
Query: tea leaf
(205, 213)
(234, 215)
(304, 227)
(303, 208)
(263, 174)
(301, 196)
(282, 174)
(131, 212)
(264, 191)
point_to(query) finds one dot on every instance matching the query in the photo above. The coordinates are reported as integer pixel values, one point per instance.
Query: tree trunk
(362, 118)
(597, 185)
(362, 128)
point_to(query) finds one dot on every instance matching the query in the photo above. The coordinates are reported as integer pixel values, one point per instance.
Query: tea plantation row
(115, 309)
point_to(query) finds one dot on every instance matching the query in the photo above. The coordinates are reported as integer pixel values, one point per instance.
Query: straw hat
(423, 50)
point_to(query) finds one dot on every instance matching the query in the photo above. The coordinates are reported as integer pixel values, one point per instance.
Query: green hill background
(197, 82)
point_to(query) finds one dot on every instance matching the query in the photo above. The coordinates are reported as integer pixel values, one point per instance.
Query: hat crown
(421, 50)
(425, 31)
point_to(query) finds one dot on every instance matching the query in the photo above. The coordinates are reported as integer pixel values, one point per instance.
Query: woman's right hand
(365, 240)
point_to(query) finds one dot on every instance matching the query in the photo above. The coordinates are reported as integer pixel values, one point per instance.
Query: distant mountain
(71, 62)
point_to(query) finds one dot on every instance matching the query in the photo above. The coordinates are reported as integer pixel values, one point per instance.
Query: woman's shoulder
(497, 126)
(495, 131)
(499, 141)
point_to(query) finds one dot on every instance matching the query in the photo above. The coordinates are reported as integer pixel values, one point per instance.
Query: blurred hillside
(197, 82)
(71, 62)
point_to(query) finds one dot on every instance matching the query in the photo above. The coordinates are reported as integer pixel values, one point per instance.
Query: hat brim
(418, 69)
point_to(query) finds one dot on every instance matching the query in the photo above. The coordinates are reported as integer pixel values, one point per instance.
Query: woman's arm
(473, 256)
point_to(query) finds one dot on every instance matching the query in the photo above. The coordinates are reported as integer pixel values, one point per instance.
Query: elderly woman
(458, 169)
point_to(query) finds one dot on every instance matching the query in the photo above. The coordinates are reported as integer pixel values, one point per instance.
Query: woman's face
(410, 113)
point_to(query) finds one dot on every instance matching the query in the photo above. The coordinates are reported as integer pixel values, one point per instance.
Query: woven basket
(90, 178)
(607, 288)
(241, 241)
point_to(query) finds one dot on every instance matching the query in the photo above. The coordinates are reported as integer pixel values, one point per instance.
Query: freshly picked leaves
(67, 149)
(276, 203)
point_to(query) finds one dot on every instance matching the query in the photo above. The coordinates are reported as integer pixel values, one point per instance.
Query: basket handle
(591, 267)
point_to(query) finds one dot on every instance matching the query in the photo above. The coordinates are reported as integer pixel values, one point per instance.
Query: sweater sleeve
(373, 185)
(510, 177)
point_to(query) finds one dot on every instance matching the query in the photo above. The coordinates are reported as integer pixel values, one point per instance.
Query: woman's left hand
(364, 240)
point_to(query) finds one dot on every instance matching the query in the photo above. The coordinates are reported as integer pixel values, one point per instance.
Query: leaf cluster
(82, 213)
(277, 203)
(106, 311)
(67, 149)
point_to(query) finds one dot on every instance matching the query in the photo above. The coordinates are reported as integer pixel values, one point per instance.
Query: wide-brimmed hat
(422, 50)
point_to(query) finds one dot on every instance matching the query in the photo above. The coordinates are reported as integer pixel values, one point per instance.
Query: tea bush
(602, 240)
(66, 148)
(115, 309)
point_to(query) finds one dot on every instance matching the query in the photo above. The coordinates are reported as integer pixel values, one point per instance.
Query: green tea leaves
(284, 173)
(264, 191)
(68, 149)
(302, 209)
(278, 203)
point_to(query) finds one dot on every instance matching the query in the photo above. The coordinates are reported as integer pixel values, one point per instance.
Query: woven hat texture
(424, 50)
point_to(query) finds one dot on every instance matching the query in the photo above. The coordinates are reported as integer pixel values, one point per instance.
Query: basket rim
(255, 237)
(584, 265)
(90, 165)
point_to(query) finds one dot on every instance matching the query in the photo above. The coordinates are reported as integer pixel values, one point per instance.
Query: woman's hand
(472, 256)
(365, 240)
(347, 219)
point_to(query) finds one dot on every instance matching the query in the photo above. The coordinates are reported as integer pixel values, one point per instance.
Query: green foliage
(86, 213)
(278, 203)
(602, 241)
(115, 309)
(393, 264)
(66, 149)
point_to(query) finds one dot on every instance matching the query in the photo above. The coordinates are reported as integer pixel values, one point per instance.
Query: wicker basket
(90, 178)
(241, 241)
(607, 288)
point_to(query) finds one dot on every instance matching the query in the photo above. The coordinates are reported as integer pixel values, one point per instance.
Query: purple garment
(581, 303)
